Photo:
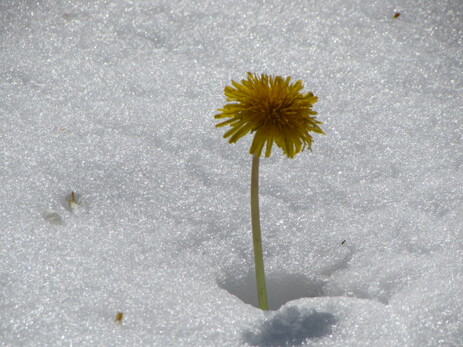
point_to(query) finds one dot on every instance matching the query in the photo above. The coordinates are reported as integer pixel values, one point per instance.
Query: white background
(114, 100)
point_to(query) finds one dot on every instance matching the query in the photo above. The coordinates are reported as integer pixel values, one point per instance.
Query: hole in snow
(281, 288)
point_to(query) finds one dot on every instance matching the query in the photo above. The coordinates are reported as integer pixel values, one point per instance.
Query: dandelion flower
(276, 111)
(272, 108)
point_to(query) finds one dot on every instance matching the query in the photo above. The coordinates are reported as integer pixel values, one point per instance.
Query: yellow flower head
(274, 109)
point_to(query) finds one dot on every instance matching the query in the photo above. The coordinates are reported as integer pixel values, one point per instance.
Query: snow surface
(114, 100)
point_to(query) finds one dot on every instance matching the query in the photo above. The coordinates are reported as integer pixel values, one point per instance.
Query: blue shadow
(292, 326)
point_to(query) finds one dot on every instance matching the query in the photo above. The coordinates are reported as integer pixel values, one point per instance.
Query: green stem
(256, 237)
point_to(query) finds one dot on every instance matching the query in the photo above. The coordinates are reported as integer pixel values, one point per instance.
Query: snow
(114, 101)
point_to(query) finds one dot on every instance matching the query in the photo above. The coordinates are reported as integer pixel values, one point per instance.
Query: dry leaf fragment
(119, 317)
